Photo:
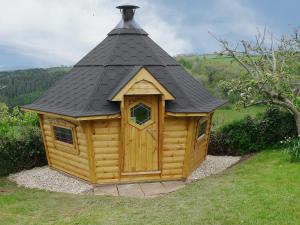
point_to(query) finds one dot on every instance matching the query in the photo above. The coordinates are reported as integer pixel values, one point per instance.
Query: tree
(272, 71)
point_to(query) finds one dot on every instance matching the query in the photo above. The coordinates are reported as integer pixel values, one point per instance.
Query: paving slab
(173, 185)
(151, 189)
(106, 190)
(130, 190)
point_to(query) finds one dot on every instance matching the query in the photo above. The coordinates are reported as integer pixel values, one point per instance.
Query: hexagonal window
(140, 113)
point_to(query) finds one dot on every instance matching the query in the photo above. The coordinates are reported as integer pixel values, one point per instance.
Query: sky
(44, 33)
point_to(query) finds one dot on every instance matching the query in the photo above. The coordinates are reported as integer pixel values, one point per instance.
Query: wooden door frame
(160, 124)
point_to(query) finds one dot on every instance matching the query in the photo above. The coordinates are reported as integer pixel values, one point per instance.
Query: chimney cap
(127, 6)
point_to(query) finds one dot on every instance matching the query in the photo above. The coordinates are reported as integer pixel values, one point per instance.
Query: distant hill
(24, 86)
(210, 69)
(21, 87)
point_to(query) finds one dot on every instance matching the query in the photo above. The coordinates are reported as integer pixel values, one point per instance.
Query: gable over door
(140, 133)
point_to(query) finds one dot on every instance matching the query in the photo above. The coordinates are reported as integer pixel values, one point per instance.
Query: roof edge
(80, 118)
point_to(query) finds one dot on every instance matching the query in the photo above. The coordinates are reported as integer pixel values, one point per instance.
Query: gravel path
(52, 180)
(213, 165)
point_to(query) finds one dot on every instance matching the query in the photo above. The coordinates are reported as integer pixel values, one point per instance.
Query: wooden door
(140, 134)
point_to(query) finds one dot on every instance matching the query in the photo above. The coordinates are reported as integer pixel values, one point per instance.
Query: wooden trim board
(142, 75)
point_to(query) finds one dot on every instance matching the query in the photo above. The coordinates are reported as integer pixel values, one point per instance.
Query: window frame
(144, 125)
(202, 121)
(61, 145)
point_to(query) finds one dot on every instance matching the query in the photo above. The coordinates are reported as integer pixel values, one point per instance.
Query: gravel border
(51, 180)
(48, 179)
(213, 165)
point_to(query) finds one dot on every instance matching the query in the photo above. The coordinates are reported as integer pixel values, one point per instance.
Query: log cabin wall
(106, 144)
(174, 147)
(72, 161)
(199, 148)
(98, 158)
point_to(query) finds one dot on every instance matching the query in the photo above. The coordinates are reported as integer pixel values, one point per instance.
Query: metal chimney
(127, 11)
(127, 21)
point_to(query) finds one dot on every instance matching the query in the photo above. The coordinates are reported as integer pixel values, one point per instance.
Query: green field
(261, 190)
(229, 114)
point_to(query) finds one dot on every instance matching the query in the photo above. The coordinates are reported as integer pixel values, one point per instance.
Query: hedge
(21, 152)
(253, 134)
(21, 145)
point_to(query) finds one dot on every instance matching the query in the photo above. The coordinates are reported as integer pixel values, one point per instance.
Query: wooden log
(172, 166)
(172, 147)
(106, 137)
(106, 157)
(173, 159)
(106, 175)
(172, 172)
(107, 123)
(172, 177)
(72, 157)
(174, 141)
(50, 144)
(107, 180)
(49, 138)
(173, 153)
(99, 144)
(70, 168)
(62, 160)
(105, 163)
(174, 128)
(48, 133)
(107, 130)
(66, 170)
(107, 150)
(175, 134)
(69, 149)
(111, 169)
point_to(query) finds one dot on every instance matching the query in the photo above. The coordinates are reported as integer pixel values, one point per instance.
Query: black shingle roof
(88, 88)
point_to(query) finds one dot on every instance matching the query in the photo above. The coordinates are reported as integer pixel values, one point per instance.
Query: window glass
(202, 127)
(63, 134)
(140, 113)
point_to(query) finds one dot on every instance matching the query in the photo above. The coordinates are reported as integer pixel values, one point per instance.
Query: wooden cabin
(126, 112)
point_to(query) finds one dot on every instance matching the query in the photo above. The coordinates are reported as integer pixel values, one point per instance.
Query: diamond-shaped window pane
(140, 113)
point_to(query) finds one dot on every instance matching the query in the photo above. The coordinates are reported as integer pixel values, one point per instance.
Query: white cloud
(62, 31)
(229, 19)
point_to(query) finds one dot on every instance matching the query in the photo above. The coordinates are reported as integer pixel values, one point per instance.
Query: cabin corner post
(208, 131)
(122, 137)
(190, 144)
(44, 138)
(161, 115)
(88, 129)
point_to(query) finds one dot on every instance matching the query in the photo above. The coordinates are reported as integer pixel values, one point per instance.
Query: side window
(202, 125)
(63, 134)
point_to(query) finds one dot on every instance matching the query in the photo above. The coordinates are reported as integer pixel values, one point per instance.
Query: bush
(21, 145)
(21, 152)
(253, 134)
(292, 148)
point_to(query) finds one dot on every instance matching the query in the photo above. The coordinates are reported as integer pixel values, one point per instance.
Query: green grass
(261, 190)
(227, 115)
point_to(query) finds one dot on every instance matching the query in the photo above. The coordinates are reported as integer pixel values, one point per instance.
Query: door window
(140, 114)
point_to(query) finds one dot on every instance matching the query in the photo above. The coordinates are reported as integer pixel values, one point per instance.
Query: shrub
(21, 145)
(252, 134)
(22, 151)
(292, 148)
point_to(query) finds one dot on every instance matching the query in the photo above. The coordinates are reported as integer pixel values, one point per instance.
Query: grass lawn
(226, 115)
(264, 189)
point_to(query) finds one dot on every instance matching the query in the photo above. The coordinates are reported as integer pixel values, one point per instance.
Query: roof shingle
(87, 88)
